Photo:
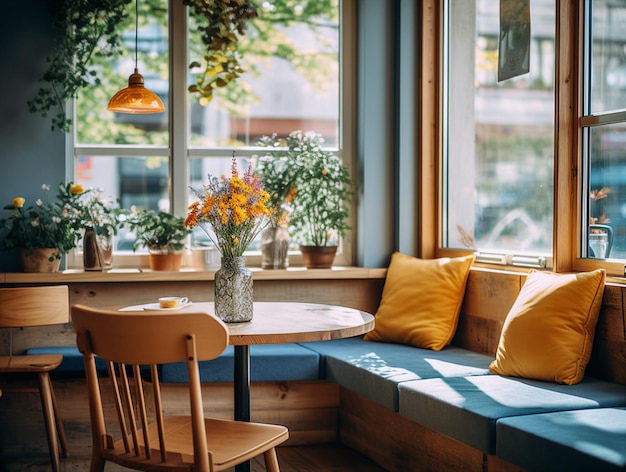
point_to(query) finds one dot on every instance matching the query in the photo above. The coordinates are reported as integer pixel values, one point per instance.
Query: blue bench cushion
(467, 408)
(72, 358)
(375, 369)
(268, 362)
(580, 440)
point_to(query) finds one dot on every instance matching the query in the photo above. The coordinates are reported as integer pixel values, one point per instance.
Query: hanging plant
(225, 22)
(89, 28)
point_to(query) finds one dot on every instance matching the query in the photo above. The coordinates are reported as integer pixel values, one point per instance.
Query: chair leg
(45, 392)
(271, 460)
(57, 420)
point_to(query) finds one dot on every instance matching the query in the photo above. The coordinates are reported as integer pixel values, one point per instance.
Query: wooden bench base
(399, 444)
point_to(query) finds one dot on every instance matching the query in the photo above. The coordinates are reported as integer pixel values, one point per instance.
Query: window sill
(146, 275)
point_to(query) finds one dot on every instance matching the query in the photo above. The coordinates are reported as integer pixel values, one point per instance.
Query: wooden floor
(318, 458)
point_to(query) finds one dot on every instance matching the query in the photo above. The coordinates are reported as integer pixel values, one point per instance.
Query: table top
(289, 322)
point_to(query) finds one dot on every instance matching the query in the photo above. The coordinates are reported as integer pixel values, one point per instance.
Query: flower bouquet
(236, 210)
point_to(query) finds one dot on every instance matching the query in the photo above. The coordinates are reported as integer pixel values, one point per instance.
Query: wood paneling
(399, 444)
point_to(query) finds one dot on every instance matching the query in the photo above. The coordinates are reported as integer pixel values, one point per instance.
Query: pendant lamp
(136, 99)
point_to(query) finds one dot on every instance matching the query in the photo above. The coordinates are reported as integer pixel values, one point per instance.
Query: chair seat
(30, 363)
(229, 442)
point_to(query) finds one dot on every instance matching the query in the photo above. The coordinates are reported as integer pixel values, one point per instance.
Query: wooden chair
(135, 343)
(37, 306)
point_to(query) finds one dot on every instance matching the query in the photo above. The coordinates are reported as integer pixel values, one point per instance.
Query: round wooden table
(280, 323)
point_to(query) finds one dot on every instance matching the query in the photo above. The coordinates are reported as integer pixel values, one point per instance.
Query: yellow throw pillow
(548, 333)
(421, 301)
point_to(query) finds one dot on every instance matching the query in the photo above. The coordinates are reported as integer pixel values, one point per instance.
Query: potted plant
(42, 232)
(323, 189)
(278, 171)
(163, 234)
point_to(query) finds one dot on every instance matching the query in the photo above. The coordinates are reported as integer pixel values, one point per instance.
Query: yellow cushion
(548, 333)
(421, 301)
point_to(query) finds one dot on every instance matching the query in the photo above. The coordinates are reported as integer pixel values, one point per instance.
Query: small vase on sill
(97, 251)
(274, 248)
(233, 291)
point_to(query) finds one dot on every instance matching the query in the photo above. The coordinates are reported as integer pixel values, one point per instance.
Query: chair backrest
(34, 306)
(128, 341)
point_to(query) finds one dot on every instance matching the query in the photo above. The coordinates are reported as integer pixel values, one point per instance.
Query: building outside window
(498, 136)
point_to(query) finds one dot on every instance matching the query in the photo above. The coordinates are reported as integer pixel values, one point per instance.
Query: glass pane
(607, 191)
(134, 181)
(290, 55)
(498, 167)
(94, 123)
(608, 55)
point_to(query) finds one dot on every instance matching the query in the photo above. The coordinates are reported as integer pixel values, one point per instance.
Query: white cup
(172, 302)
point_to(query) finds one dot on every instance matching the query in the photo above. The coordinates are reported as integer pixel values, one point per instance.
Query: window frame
(568, 141)
(180, 150)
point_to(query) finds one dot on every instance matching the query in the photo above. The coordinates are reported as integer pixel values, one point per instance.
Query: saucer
(155, 306)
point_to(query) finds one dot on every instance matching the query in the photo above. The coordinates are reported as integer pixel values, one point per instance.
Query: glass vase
(105, 244)
(233, 291)
(92, 257)
(274, 248)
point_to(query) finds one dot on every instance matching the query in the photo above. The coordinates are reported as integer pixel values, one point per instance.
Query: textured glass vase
(233, 291)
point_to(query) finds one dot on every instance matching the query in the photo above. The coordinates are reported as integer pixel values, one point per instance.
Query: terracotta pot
(318, 257)
(40, 260)
(171, 262)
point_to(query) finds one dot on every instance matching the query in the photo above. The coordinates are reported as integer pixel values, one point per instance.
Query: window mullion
(179, 117)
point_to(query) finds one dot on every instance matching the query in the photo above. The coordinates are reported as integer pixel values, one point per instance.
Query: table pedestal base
(242, 391)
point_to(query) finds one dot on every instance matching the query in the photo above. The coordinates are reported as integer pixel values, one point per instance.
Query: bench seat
(580, 440)
(268, 362)
(467, 408)
(375, 370)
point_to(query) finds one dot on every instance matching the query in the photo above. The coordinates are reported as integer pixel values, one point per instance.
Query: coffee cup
(172, 302)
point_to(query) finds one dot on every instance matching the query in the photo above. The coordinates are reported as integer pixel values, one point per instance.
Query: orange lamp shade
(136, 99)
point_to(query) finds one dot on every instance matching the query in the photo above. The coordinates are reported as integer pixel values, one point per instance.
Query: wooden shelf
(146, 275)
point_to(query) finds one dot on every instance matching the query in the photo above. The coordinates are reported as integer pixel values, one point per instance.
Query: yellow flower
(77, 189)
(235, 207)
(18, 202)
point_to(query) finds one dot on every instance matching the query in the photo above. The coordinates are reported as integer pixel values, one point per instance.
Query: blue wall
(30, 153)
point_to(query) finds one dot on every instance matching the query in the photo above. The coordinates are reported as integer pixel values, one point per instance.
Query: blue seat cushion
(467, 408)
(268, 362)
(375, 369)
(72, 358)
(580, 440)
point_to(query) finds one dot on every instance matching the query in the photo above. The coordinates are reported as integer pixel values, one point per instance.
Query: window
(603, 126)
(498, 136)
(291, 55)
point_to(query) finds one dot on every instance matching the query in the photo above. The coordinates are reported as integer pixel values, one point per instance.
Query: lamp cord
(136, 30)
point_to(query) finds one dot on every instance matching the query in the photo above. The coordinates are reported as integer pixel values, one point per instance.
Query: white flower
(45, 187)
(39, 202)
(56, 219)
